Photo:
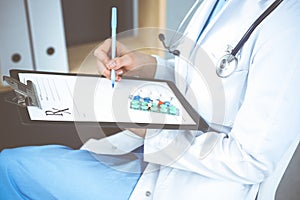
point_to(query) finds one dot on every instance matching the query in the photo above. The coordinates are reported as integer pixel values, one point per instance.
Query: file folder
(15, 50)
(48, 36)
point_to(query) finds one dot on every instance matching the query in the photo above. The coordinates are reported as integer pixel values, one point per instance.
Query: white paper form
(92, 99)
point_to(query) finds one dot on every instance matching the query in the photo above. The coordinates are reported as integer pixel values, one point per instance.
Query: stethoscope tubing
(255, 24)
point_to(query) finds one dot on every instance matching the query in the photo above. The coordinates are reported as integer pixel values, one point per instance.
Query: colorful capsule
(155, 102)
(144, 103)
(135, 106)
(154, 108)
(135, 102)
(167, 103)
(144, 107)
(173, 110)
(164, 110)
(147, 99)
(137, 97)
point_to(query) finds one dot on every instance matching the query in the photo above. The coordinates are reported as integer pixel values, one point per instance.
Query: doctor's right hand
(127, 62)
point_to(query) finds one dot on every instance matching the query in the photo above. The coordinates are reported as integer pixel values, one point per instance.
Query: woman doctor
(260, 113)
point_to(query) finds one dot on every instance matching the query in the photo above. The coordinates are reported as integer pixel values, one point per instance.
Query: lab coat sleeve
(164, 69)
(117, 144)
(265, 126)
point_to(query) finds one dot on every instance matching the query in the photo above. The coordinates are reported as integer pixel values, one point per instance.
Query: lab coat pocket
(234, 91)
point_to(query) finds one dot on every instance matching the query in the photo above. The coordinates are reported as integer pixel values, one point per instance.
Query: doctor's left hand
(131, 63)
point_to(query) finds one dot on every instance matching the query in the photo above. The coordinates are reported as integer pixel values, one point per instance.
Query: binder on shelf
(48, 36)
(15, 50)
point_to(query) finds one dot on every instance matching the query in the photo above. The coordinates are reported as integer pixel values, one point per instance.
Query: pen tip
(112, 85)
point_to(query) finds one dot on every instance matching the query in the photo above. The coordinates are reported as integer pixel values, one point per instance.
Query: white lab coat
(259, 106)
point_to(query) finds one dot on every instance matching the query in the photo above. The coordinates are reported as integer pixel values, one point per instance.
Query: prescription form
(92, 99)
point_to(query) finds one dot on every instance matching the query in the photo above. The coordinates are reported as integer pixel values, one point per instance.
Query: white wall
(176, 10)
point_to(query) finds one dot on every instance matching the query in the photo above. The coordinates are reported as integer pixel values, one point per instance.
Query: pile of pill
(153, 104)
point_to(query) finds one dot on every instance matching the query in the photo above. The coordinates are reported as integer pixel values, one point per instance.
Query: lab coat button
(148, 193)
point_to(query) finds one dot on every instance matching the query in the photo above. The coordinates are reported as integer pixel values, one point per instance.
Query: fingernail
(120, 72)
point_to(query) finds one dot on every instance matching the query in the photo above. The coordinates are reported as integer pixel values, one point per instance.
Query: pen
(113, 42)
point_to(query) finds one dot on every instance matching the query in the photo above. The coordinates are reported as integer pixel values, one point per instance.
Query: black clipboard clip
(24, 95)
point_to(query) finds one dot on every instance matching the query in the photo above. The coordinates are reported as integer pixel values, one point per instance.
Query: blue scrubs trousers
(58, 172)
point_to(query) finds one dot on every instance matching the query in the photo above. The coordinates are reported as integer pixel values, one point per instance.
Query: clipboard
(31, 101)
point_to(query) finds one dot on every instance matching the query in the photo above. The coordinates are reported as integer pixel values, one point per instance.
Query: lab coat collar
(198, 19)
(191, 33)
(237, 27)
(235, 6)
(202, 14)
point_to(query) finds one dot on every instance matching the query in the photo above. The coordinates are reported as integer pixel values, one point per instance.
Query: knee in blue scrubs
(58, 172)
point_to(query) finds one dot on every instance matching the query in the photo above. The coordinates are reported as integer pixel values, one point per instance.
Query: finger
(102, 52)
(120, 72)
(106, 72)
(102, 69)
(119, 78)
(102, 56)
(111, 64)
(119, 62)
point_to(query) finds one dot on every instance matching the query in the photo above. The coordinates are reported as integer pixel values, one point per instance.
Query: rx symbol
(57, 112)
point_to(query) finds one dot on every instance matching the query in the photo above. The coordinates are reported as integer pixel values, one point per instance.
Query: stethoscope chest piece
(226, 65)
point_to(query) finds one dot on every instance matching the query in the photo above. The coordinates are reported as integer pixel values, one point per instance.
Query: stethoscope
(227, 64)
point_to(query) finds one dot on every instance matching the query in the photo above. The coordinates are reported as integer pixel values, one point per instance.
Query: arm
(132, 63)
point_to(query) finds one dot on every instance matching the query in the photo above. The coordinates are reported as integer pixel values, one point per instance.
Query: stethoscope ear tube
(175, 52)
